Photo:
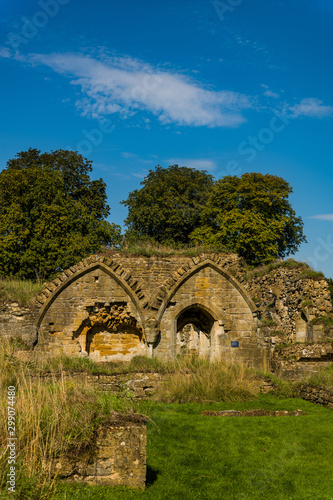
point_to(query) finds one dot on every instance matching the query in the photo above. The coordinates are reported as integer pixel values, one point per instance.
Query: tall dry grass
(54, 417)
(149, 247)
(22, 291)
(196, 380)
(323, 378)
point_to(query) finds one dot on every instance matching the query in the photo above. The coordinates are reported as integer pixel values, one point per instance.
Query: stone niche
(110, 333)
(119, 458)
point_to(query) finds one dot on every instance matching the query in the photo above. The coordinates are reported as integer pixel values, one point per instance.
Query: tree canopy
(51, 213)
(252, 216)
(168, 206)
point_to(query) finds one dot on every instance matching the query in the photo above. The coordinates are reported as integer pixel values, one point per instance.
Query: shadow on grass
(151, 476)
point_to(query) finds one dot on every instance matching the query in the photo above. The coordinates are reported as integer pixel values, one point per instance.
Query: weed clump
(323, 378)
(199, 381)
(313, 275)
(21, 291)
(273, 266)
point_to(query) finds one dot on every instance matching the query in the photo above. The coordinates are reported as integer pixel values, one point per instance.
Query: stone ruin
(118, 458)
(114, 308)
(119, 306)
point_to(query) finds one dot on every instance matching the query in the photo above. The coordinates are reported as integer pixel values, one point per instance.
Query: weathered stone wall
(93, 315)
(318, 395)
(212, 301)
(119, 458)
(108, 311)
(295, 361)
(292, 301)
(114, 307)
(19, 322)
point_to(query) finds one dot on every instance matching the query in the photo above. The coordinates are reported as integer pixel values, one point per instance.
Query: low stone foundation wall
(138, 385)
(119, 458)
(317, 395)
(252, 413)
(295, 361)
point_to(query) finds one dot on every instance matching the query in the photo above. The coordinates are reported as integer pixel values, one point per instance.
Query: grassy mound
(22, 291)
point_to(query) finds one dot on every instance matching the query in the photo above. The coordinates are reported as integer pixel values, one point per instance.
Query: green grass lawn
(191, 456)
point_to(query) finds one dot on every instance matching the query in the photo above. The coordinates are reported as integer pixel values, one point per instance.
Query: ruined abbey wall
(118, 306)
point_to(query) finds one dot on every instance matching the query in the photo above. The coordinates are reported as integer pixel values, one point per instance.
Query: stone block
(118, 459)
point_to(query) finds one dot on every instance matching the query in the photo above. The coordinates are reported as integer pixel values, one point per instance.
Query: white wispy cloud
(124, 85)
(140, 175)
(270, 93)
(311, 107)
(5, 53)
(131, 156)
(322, 217)
(197, 163)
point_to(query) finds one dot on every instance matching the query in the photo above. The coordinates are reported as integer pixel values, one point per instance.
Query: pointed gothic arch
(168, 290)
(50, 294)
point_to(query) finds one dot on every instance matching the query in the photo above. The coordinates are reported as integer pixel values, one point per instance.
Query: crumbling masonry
(113, 308)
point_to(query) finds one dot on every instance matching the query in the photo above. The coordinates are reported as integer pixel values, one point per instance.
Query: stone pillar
(217, 336)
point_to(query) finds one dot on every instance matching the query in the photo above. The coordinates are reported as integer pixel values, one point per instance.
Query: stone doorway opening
(194, 332)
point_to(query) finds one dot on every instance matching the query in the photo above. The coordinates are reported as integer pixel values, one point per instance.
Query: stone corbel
(151, 331)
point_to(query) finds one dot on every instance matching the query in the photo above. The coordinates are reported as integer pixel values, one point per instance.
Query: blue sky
(228, 86)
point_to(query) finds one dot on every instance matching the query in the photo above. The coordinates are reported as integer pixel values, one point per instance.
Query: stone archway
(233, 335)
(205, 331)
(155, 298)
(194, 331)
(94, 312)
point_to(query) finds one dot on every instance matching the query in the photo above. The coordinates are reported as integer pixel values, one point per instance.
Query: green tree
(167, 208)
(51, 214)
(252, 216)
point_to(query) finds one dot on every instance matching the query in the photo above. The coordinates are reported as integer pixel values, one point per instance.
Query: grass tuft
(322, 320)
(199, 381)
(63, 363)
(273, 266)
(149, 248)
(323, 378)
(311, 274)
(23, 292)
